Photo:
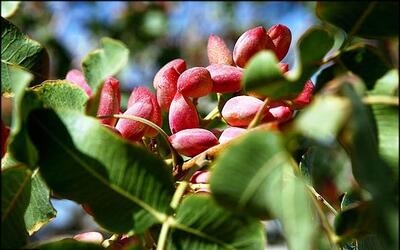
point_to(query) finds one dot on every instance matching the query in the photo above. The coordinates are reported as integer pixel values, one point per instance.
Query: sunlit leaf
(58, 95)
(8, 8)
(255, 176)
(40, 211)
(104, 62)
(324, 118)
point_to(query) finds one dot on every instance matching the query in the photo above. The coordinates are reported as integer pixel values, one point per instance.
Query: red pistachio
(281, 37)
(125, 242)
(249, 43)
(305, 97)
(240, 110)
(75, 76)
(182, 114)
(87, 208)
(178, 64)
(134, 130)
(94, 237)
(200, 177)
(278, 114)
(284, 67)
(217, 51)
(143, 94)
(190, 142)
(109, 101)
(226, 78)
(216, 131)
(195, 82)
(166, 88)
(230, 133)
(5, 132)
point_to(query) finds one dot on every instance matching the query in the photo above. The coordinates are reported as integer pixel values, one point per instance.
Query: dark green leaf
(328, 74)
(68, 244)
(101, 63)
(125, 186)
(18, 49)
(263, 75)
(365, 19)
(370, 242)
(355, 220)
(40, 211)
(203, 225)
(255, 176)
(15, 192)
(329, 169)
(366, 62)
(8, 8)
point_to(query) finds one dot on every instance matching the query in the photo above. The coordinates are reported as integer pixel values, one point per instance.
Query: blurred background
(155, 33)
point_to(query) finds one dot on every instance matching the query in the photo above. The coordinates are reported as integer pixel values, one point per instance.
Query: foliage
(337, 157)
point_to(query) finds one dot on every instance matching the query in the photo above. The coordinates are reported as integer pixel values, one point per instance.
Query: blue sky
(188, 21)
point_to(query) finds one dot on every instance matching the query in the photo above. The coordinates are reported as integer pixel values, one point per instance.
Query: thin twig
(381, 99)
(260, 114)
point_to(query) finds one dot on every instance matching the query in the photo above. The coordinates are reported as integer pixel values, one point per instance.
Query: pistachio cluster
(177, 87)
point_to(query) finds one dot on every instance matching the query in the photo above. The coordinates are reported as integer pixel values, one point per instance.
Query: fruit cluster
(177, 86)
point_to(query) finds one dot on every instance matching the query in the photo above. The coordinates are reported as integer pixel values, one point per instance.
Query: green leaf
(15, 194)
(355, 220)
(263, 75)
(67, 244)
(125, 186)
(327, 75)
(255, 176)
(365, 19)
(58, 95)
(61, 94)
(366, 62)
(387, 84)
(13, 74)
(370, 170)
(40, 211)
(19, 50)
(202, 224)
(387, 120)
(324, 118)
(101, 63)
(8, 8)
(360, 142)
(329, 170)
(370, 242)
